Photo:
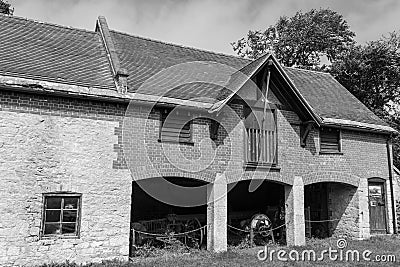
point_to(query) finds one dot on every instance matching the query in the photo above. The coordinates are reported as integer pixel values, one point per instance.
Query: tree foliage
(372, 73)
(5, 8)
(300, 40)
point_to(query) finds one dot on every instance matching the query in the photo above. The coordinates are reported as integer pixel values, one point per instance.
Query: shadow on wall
(310, 140)
(343, 207)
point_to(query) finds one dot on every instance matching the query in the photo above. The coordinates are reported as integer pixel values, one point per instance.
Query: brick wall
(52, 143)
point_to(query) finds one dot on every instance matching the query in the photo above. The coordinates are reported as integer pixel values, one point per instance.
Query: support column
(295, 221)
(217, 215)
(363, 207)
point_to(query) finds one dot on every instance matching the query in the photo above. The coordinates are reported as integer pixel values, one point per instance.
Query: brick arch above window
(142, 173)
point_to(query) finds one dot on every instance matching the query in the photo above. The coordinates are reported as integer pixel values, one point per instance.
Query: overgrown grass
(382, 245)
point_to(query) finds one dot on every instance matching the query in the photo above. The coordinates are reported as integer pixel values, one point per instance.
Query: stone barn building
(101, 131)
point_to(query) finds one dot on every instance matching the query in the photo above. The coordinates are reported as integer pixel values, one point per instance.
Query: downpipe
(390, 165)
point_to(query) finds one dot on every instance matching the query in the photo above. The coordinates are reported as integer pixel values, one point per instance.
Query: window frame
(339, 151)
(61, 195)
(163, 114)
(249, 163)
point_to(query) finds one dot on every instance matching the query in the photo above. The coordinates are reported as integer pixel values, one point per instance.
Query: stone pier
(217, 215)
(295, 221)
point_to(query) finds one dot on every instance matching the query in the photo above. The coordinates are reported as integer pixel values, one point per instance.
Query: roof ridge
(182, 46)
(306, 70)
(46, 23)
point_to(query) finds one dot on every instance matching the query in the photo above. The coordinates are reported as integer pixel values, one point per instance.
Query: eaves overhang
(68, 90)
(358, 126)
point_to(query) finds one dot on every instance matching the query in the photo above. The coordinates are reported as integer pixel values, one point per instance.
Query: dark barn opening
(163, 208)
(267, 200)
(316, 210)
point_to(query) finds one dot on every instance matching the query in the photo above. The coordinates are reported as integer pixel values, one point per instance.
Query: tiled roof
(144, 57)
(329, 98)
(35, 50)
(42, 51)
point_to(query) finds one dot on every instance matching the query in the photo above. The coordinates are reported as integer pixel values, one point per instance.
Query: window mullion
(61, 214)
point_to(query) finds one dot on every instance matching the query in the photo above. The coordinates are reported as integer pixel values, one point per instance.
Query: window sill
(52, 237)
(330, 153)
(261, 166)
(189, 143)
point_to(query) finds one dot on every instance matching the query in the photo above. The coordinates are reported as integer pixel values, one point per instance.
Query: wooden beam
(305, 129)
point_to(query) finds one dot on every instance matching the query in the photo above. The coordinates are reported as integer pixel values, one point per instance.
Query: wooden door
(377, 207)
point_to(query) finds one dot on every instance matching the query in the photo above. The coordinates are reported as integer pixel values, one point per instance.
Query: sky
(206, 24)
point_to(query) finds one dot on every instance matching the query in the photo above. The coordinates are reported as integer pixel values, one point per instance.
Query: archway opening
(245, 208)
(163, 212)
(330, 209)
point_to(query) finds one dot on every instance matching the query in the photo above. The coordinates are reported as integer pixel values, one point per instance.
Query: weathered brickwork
(60, 106)
(51, 144)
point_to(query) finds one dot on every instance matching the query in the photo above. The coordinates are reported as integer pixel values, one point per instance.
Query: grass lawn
(381, 245)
